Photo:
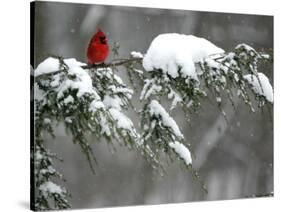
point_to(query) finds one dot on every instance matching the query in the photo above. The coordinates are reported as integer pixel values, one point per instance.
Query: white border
(14, 87)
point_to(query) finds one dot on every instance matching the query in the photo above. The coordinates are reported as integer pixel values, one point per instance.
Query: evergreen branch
(112, 64)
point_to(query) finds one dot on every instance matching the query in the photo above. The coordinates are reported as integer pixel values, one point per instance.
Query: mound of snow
(173, 52)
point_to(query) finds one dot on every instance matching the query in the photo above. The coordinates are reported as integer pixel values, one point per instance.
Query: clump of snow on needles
(171, 52)
(260, 85)
(50, 187)
(47, 66)
(157, 110)
(123, 121)
(81, 81)
(114, 106)
(182, 151)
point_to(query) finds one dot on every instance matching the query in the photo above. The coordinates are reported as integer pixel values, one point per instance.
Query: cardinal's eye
(103, 40)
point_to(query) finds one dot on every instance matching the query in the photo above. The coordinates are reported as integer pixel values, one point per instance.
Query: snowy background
(235, 161)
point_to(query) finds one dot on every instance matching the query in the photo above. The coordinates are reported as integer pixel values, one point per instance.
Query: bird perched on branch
(98, 49)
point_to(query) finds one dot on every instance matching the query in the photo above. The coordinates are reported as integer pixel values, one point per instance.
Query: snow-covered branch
(44, 174)
(185, 68)
(55, 69)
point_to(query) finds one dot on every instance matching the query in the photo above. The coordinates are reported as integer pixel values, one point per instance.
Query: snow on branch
(116, 98)
(176, 54)
(85, 101)
(51, 67)
(260, 85)
(182, 151)
(46, 188)
(185, 68)
(159, 128)
(159, 113)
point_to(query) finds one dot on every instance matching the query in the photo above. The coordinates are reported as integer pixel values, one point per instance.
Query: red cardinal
(98, 49)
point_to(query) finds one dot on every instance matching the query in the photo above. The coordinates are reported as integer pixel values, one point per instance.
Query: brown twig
(112, 64)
